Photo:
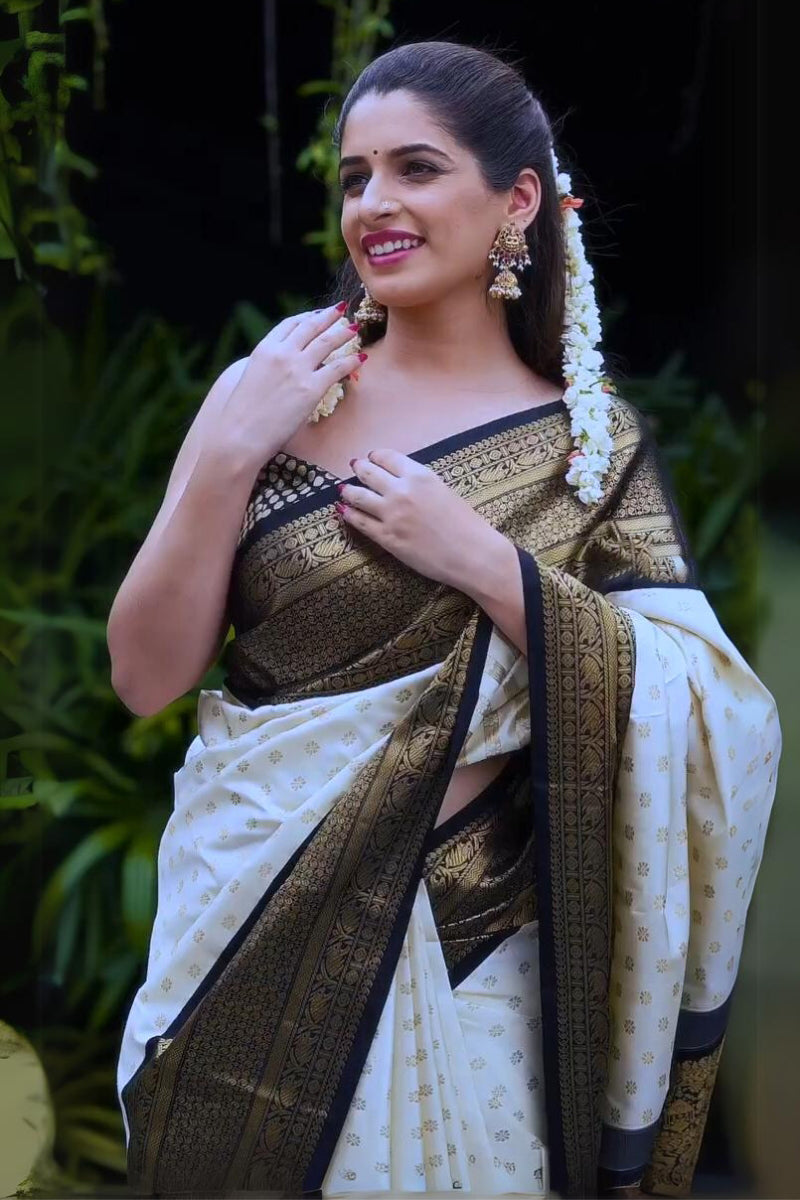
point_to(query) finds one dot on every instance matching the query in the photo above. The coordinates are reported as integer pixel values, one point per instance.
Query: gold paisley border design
(236, 1104)
(677, 1146)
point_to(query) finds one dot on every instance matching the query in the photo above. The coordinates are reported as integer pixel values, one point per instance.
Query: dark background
(664, 109)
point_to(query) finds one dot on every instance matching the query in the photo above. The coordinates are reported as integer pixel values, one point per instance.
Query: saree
(342, 998)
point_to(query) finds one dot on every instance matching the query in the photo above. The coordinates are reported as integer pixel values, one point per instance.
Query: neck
(459, 339)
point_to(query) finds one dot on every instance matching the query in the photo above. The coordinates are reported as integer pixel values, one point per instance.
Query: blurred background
(167, 194)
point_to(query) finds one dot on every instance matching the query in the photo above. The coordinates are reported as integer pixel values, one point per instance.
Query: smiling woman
(454, 891)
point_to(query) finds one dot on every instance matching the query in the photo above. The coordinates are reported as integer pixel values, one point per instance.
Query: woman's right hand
(285, 379)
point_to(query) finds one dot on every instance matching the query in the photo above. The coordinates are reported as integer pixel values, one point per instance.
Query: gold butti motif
(226, 1103)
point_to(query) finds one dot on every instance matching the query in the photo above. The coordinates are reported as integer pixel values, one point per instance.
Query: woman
(454, 891)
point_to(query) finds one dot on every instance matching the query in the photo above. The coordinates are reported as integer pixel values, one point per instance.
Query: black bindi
(374, 151)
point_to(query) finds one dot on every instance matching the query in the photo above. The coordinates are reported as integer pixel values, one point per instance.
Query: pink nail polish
(340, 507)
(341, 306)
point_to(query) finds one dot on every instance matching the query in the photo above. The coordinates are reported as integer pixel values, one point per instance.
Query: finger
(391, 460)
(362, 521)
(283, 328)
(330, 340)
(363, 499)
(288, 325)
(337, 369)
(377, 477)
(314, 325)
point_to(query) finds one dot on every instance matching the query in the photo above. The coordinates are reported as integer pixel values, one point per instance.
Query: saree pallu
(342, 998)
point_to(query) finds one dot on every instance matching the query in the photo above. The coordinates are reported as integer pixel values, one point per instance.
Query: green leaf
(68, 928)
(81, 859)
(33, 619)
(75, 14)
(20, 6)
(17, 786)
(91, 1114)
(139, 888)
(58, 796)
(316, 87)
(35, 38)
(118, 978)
(97, 1148)
(53, 254)
(65, 157)
(25, 800)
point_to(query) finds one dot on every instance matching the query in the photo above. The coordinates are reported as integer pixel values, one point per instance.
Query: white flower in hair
(587, 391)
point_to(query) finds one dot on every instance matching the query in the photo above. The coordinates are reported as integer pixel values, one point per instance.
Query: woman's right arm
(169, 618)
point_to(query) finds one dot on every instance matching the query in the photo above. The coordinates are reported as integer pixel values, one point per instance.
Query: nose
(374, 201)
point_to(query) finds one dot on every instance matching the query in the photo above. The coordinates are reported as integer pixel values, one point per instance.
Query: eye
(348, 182)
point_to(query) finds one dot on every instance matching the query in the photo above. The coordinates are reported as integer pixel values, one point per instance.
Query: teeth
(391, 247)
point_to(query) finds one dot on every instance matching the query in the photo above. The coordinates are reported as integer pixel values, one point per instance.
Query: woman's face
(433, 192)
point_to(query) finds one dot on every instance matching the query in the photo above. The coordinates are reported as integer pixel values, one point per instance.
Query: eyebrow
(398, 152)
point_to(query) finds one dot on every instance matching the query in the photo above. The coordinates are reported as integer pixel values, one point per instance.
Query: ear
(525, 198)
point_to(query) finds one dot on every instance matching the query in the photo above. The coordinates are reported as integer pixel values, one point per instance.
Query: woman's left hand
(408, 510)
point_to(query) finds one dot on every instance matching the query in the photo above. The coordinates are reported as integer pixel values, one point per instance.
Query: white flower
(336, 391)
(584, 395)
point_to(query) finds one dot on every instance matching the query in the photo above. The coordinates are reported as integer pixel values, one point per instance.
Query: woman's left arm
(408, 510)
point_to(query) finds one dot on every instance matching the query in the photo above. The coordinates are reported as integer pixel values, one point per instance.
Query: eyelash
(346, 183)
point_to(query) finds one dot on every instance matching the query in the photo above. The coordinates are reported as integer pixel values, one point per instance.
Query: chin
(397, 293)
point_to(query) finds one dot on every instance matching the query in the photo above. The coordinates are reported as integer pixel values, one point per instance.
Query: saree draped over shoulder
(530, 998)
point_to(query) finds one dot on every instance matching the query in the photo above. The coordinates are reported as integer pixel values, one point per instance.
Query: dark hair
(485, 105)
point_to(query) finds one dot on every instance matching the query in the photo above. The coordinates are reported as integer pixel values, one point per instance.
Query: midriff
(467, 782)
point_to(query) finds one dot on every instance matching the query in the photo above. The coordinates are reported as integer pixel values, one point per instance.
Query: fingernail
(339, 506)
(363, 357)
(354, 325)
(341, 306)
(352, 460)
(340, 486)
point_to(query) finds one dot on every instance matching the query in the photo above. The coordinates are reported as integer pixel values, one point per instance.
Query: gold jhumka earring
(508, 250)
(369, 312)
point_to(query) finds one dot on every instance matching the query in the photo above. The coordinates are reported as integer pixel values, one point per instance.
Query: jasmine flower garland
(588, 389)
(335, 393)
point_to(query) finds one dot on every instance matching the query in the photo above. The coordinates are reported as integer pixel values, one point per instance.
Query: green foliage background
(91, 432)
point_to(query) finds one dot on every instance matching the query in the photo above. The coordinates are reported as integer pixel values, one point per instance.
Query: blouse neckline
(453, 441)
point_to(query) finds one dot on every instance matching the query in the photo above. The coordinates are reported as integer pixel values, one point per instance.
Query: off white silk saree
(529, 999)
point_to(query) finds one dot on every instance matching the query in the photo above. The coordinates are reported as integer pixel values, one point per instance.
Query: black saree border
(581, 664)
(221, 962)
(665, 1151)
(425, 455)
(633, 581)
(698, 1033)
(337, 1113)
(539, 785)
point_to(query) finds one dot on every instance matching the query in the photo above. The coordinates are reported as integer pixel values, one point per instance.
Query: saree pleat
(342, 998)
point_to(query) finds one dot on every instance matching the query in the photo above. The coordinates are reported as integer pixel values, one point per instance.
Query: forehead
(382, 122)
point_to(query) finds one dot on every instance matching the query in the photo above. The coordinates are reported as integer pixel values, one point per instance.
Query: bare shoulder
(207, 417)
(202, 429)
